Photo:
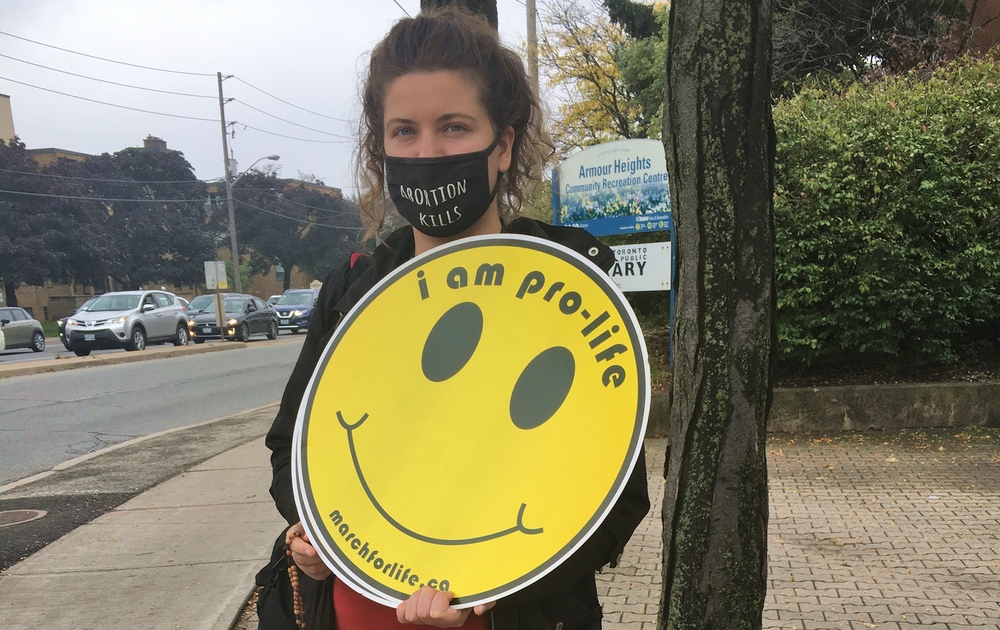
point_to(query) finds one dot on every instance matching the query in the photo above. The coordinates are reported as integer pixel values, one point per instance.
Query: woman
(444, 100)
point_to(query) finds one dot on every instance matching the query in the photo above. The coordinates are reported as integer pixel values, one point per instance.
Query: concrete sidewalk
(880, 530)
(181, 555)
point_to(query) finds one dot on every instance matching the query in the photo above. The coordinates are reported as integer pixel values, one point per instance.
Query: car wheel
(138, 340)
(244, 334)
(198, 341)
(82, 352)
(272, 330)
(38, 342)
(182, 335)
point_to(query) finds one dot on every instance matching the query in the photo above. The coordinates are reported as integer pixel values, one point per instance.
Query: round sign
(471, 422)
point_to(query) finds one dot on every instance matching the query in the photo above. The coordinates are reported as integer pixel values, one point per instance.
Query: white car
(127, 319)
(3, 344)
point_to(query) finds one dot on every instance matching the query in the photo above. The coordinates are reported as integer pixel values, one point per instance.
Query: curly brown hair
(451, 39)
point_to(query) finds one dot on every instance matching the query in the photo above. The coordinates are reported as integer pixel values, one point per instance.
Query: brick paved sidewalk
(882, 530)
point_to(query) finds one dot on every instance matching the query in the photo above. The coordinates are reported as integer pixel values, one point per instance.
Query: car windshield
(295, 299)
(233, 305)
(114, 303)
(201, 302)
(86, 304)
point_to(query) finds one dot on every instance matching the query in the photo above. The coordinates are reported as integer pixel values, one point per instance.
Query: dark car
(61, 322)
(295, 309)
(244, 316)
(21, 330)
(201, 302)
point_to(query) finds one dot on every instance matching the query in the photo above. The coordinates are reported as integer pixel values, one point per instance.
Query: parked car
(183, 301)
(3, 342)
(61, 322)
(201, 302)
(245, 315)
(273, 299)
(295, 309)
(127, 319)
(21, 330)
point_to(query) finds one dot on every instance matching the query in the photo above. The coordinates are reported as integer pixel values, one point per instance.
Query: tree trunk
(719, 141)
(10, 292)
(487, 8)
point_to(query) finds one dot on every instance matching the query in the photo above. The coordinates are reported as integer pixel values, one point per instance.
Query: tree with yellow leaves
(582, 54)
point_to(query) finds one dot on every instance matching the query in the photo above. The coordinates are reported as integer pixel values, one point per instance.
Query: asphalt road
(47, 419)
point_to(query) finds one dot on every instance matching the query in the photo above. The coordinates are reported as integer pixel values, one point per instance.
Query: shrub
(887, 217)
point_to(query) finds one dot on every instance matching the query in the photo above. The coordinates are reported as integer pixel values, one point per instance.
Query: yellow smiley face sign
(472, 421)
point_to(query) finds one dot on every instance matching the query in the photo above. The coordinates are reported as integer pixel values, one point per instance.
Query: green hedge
(887, 212)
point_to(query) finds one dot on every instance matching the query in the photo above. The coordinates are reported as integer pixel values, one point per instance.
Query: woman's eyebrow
(454, 115)
(440, 119)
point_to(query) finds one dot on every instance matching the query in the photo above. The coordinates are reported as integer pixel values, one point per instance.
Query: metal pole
(237, 282)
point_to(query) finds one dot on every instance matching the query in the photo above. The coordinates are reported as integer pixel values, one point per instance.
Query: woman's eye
(403, 131)
(455, 127)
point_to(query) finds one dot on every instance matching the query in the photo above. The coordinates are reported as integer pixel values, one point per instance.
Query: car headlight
(191, 323)
(72, 322)
(296, 313)
(117, 320)
(231, 322)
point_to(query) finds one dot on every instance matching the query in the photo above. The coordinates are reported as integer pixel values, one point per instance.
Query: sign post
(619, 187)
(215, 279)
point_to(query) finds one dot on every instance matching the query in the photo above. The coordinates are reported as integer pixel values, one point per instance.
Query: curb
(26, 368)
(114, 447)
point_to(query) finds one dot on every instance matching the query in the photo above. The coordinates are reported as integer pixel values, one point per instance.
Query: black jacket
(566, 598)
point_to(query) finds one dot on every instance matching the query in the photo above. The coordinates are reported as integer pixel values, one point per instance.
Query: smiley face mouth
(517, 528)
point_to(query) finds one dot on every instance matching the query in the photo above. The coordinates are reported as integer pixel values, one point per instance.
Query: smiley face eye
(542, 388)
(452, 342)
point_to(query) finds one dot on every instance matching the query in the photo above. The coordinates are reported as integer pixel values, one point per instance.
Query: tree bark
(487, 8)
(10, 291)
(719, 141)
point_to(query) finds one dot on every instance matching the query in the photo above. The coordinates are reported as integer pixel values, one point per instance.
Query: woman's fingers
(431, 607)
(304, 554)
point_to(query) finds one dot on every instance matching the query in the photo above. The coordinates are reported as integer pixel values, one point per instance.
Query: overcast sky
(308, 53)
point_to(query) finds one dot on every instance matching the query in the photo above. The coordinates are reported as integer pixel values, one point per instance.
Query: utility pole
(237, 282)
(532, 45)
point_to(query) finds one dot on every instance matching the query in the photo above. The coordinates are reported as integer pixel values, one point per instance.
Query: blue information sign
(618, 187)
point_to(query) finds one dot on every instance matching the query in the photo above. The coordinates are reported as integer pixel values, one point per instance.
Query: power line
(124, 63)
(296, 203)
(128, 85)
(280, 135)
(110, 181)
(327, 133)
(285, 216)
(83, 76)
(91, 100)
(401, 7)
(276, 195)
(287, 103)
(31, 194)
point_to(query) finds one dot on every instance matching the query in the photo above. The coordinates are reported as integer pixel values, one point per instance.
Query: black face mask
(442, 196)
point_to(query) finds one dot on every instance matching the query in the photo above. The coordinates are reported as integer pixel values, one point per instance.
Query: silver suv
(127, 319)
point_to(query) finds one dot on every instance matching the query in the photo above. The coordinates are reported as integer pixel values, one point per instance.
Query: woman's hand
(431, 607)
(304, 555)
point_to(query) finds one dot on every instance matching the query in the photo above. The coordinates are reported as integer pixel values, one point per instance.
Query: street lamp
(232, 216)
